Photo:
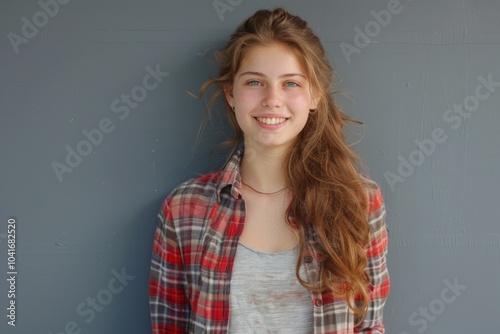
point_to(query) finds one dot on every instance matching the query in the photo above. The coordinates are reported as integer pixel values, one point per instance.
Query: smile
(271, 121)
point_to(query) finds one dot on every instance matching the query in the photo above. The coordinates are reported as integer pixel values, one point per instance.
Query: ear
(228, 93)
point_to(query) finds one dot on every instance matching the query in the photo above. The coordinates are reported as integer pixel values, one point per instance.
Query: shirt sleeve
(377, 267)
(169, 305)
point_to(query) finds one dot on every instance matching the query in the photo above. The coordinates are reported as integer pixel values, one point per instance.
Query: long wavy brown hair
(322, 170)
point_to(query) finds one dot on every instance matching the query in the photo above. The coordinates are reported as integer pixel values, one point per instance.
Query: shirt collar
(231, 176)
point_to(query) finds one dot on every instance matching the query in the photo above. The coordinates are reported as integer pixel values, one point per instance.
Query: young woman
(288, 237)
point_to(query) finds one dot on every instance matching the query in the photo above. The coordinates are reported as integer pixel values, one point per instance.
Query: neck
(263, 170)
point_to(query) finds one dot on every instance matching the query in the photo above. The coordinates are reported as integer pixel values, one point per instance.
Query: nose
(272, 97)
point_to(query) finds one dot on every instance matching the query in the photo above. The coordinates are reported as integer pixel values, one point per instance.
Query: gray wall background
(75, 234)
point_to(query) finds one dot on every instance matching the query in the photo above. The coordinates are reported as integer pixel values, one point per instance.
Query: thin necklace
(261, 192)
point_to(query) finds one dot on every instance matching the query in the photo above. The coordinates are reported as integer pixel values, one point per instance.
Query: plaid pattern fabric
(194, 250)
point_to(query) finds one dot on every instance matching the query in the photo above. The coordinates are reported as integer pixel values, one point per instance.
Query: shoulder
(376, 206)
(201, 191)
(192, 198)
(209, 185)
(375, 198)
(203, 185)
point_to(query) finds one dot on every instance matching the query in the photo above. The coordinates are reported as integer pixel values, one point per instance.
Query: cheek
(299, 103)
(242, 115)
(246, 98)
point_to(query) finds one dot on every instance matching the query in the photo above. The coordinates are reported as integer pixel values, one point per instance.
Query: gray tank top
(266, 296)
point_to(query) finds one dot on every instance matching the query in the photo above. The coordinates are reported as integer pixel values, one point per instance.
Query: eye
(253, 83)
(291, 84)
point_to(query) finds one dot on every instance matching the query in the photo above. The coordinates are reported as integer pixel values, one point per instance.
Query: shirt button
(308, 259)
(318, 302)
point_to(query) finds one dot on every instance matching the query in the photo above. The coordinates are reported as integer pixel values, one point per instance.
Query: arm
(376, 267)
(169, 305)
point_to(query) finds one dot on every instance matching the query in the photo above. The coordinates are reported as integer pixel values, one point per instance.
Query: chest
(266, 296)
(265, 227)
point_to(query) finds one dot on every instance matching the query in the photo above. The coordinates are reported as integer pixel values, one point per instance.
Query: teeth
(271, 121)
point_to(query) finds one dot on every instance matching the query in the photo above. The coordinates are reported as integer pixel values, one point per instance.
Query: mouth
(271, 120)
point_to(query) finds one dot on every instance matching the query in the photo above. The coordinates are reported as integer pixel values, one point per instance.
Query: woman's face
(272, 98)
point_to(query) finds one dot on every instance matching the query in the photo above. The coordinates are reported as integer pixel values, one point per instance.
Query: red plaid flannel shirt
(194, 250)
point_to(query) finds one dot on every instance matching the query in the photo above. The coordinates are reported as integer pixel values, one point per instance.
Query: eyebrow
(281, 76)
